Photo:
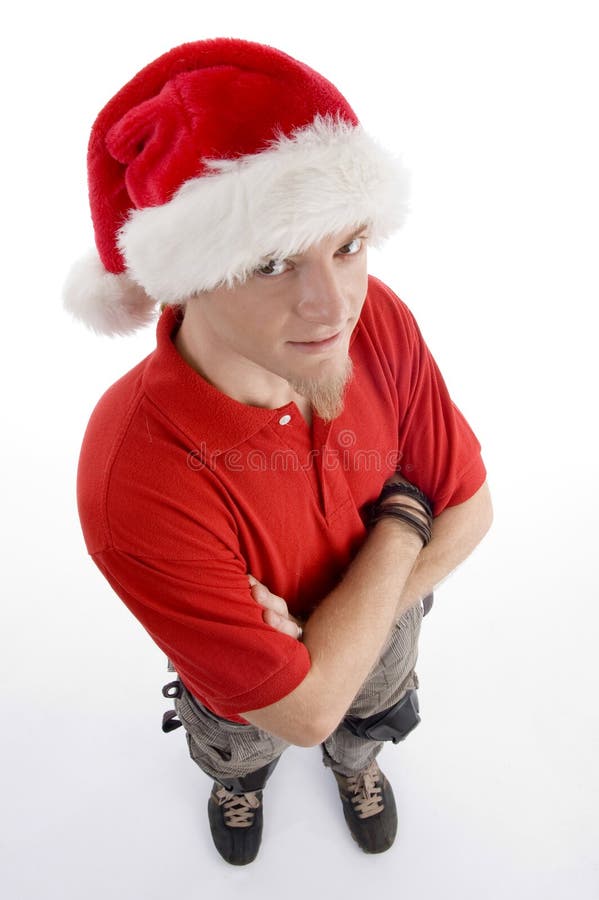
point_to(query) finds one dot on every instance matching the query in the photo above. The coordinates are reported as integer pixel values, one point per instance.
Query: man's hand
(275, 612)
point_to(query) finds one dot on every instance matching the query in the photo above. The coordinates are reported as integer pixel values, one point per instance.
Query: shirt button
(284, 420)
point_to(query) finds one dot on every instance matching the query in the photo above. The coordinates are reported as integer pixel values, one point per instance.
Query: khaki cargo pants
(225, 750)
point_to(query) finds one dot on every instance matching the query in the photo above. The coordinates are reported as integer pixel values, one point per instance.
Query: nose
(322, 297)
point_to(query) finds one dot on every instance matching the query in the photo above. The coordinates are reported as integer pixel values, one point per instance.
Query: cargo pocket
(221, 747)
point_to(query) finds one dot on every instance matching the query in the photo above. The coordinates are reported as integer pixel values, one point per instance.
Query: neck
(233, 375)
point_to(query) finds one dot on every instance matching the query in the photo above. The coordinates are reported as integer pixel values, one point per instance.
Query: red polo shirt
(182, 491)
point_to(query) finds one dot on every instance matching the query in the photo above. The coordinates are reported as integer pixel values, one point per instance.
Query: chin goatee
(325, 394)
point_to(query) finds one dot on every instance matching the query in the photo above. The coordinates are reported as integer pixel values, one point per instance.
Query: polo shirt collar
(202, 412)
(199, 409)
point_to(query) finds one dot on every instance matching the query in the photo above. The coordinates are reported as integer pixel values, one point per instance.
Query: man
(260, 490)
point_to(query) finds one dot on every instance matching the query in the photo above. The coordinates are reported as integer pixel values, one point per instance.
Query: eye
(352, 248)
(273, 267)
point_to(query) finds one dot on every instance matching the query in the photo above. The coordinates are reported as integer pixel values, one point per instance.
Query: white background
(493, 107)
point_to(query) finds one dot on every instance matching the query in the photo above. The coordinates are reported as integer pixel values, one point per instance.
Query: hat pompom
(105, 302)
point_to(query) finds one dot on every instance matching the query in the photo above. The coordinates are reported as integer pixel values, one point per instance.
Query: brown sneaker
(236, 824)
(369, 808)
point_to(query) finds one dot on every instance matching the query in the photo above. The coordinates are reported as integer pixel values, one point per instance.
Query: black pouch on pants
(393, 724)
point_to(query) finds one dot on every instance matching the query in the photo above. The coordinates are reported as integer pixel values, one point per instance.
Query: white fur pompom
(106, 303)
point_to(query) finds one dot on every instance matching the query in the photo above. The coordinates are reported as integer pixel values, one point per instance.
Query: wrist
(400, 531)
(408, 506)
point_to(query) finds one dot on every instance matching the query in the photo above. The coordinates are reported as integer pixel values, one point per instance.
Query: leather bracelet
(405, 514)
(408, 490)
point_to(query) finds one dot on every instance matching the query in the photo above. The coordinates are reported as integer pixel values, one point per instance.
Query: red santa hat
(216, 157)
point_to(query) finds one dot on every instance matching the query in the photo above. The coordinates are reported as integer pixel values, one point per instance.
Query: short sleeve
(201, 614)
(165, 538)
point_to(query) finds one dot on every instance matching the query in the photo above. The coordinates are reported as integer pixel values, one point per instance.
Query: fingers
(276, 613)
(270, 601)
(282, 624)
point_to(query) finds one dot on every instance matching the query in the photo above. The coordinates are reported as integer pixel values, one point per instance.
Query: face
(293, 318)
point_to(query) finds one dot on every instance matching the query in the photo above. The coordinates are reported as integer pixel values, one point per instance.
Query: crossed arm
(347, 631)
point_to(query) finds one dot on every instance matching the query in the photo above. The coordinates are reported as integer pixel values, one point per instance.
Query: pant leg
(224, 750)
(387, 682)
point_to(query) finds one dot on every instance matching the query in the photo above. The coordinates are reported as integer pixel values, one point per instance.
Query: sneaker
(369, 808)
(236, 824)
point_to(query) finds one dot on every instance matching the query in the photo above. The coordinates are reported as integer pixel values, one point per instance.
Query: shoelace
(239, 808)
(367, 799)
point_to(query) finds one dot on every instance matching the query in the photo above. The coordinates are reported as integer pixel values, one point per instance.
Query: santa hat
(216, 157)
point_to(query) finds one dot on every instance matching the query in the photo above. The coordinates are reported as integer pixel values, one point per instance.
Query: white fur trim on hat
(107, 303)
(327, 177)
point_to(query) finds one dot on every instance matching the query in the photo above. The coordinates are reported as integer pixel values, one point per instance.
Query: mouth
(316, 346)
